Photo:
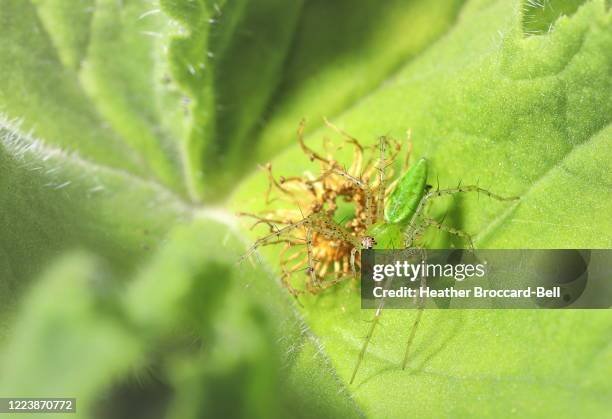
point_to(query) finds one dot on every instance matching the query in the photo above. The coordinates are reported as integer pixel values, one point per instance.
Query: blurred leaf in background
(185, 338)
(123, 122)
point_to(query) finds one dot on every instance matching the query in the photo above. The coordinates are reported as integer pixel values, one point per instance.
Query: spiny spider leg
(413, 234)
(450, 230)
(328, 284)
(330, 229)
(468, 188)
(327, 227)
(311, 269)
(376, 319)
(381, 167)
(267, 239)
(354, 251)
(382, 182)
(370, 333)
(415, 229)
(415, 325)
(419, 313)
(367, 338)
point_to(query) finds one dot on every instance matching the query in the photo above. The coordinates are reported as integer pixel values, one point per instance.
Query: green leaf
(215, 335)
(68, 27)
(227, 58)
(343, 53)
(36, 88)
(116, 116)
(61, 191)
(120, 75)
(69, 340)
(54, 200)
(519, 114)
(469, 363)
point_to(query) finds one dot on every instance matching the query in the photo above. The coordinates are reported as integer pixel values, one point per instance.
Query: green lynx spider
(392, 217)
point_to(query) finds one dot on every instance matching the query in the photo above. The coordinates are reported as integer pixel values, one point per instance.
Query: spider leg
(327, 227)
(366, 342)
(468, 188)
(370, 333)
(270, 237)
(415, 325)
(450, 230)
(382, 182)
(328, 284)
(376, 319)
(413, 233)
(354, 251)
(324, 225)
(311, 268)
(420, 210)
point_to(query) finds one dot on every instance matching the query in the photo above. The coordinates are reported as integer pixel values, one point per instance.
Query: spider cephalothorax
(368, 242)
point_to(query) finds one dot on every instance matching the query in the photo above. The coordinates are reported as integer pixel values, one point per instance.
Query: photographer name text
(476, 292)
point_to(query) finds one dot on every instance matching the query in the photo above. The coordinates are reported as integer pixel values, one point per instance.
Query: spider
(322, 238)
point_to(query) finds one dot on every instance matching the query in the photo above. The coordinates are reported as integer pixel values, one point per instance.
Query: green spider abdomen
(404, 199)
